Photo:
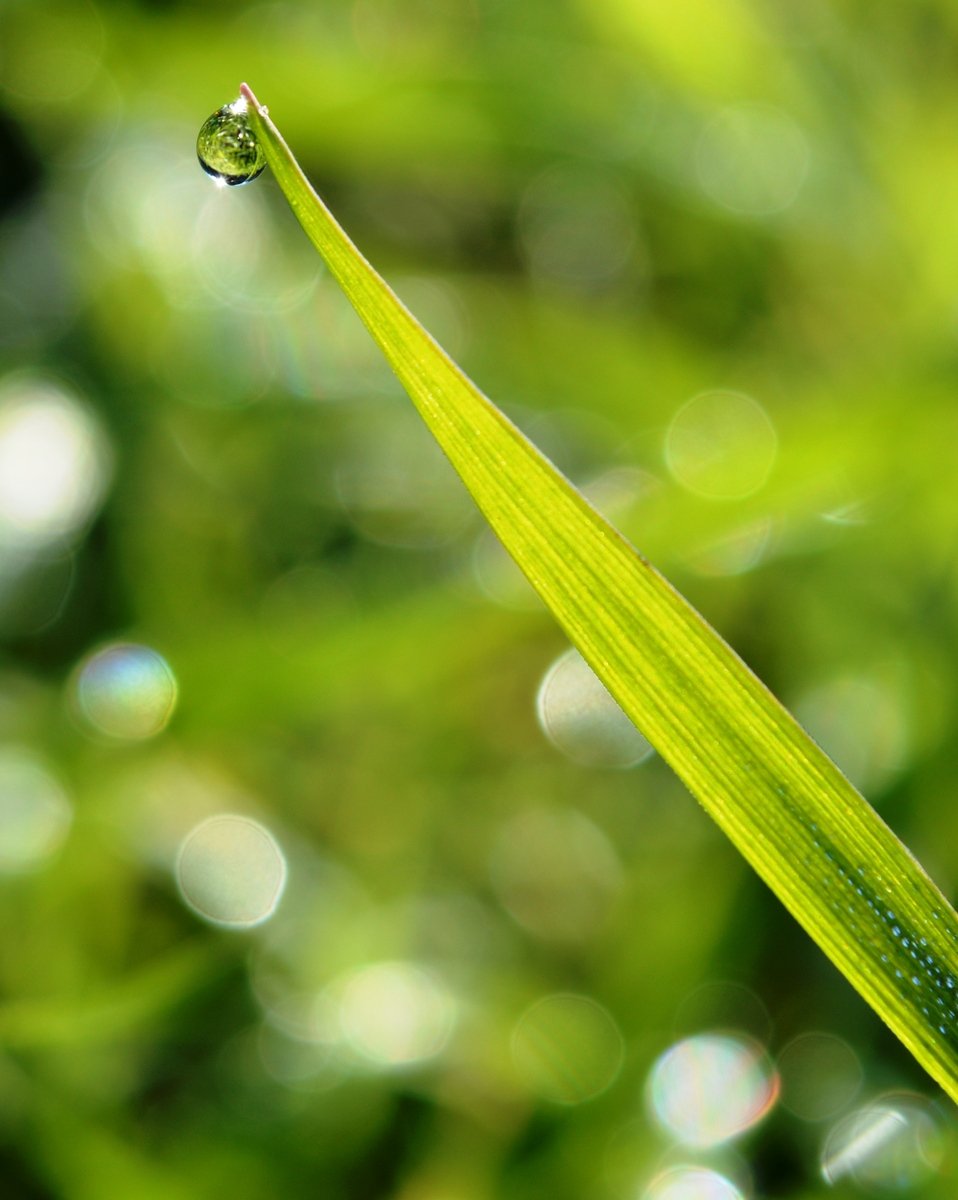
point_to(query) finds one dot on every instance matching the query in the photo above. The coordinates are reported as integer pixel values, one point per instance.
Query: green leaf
(808, 833)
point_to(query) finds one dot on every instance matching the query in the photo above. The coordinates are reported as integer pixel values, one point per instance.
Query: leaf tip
(247, 93)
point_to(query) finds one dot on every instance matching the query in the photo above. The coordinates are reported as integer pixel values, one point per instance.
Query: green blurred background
(704, 253)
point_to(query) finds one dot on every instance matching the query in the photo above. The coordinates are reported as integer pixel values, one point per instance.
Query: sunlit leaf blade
(808, 833)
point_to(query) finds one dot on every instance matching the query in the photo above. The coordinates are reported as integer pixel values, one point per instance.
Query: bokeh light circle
(752, 159)
(581, 719)
(861, 722)
(395, 1014)
(721, 445)
(723, 1004)
(231, 871)
(35, 814)
(567, 1048)
(556, 873)
(499, 577)
(396, 486)
(711, 1088)
(126, 691)
(576, 229)
(691, 1183)
(53, 462)
(893, 1144)
(736, 552)
(820, 1074)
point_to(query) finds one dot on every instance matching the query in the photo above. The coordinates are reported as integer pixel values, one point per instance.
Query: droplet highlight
(227, 147)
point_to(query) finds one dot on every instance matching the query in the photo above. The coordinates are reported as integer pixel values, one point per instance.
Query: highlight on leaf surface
(798, 821)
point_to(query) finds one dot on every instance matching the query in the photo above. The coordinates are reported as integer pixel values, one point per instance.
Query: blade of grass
(808, 833)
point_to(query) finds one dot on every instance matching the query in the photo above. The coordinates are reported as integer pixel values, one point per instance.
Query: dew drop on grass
(227, 148)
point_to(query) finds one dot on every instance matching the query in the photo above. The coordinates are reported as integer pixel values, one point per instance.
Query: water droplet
(227, 148)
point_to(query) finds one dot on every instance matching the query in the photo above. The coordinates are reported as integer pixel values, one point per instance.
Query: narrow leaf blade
(808, 833)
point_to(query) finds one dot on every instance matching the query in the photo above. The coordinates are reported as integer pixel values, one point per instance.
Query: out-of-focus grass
(343, 675)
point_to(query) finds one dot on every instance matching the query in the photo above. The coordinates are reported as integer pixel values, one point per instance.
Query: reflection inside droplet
(893, 1144)
(227, 147)
(231, 871)
(126, 691)
(395, 1014)
(820, 1075)
(582, 720)
(721, 445)
(567, 1048)
(35, 813)
(691, 1183)
(710, 1088)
